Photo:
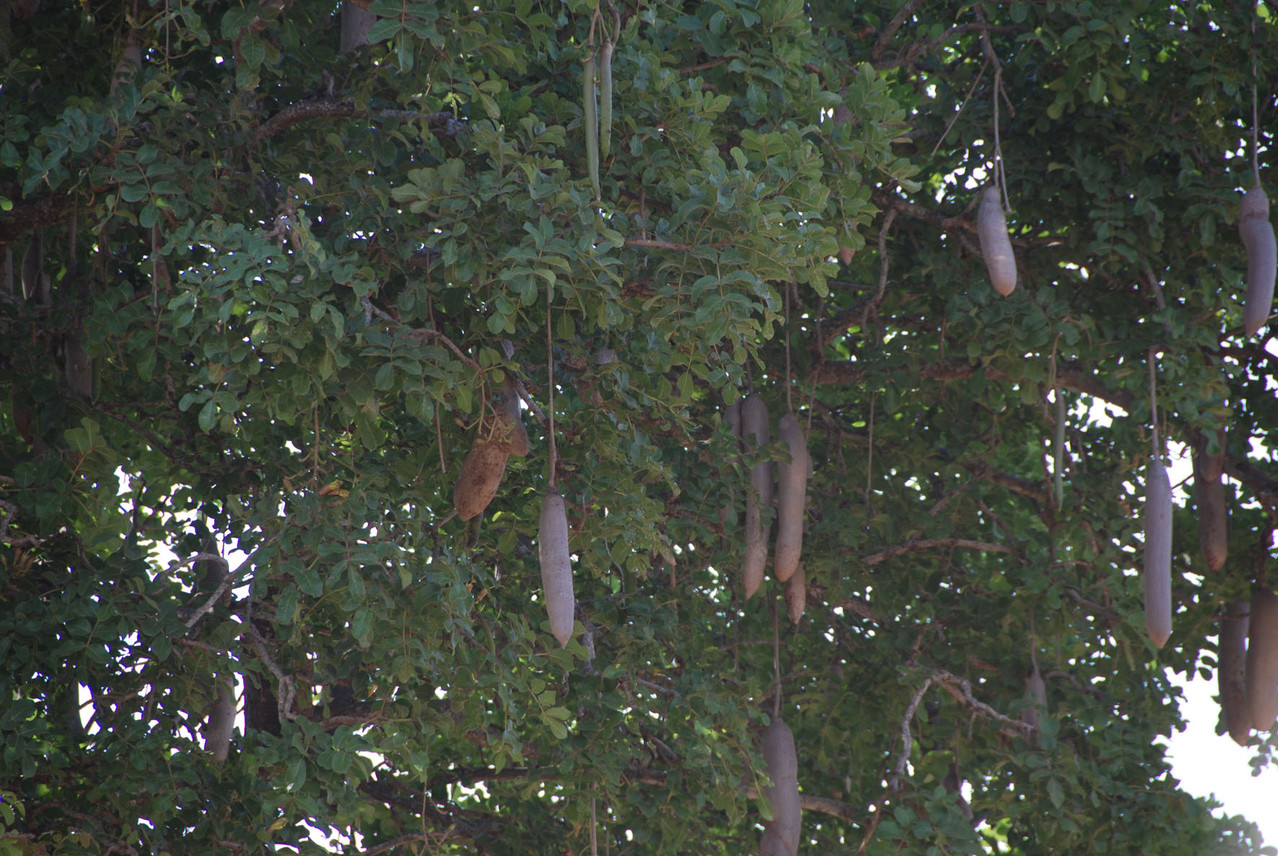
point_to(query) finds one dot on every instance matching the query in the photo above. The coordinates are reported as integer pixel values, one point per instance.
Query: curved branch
(445, 124)
(930, 543)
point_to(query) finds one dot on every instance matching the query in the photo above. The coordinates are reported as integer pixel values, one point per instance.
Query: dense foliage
(269, 269)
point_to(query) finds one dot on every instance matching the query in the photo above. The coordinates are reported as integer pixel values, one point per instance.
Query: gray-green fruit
(1231, 671)
(556, 566)
(792, 497)
(996, 246)
(1158, 550)
(781, 834)
(1262, 258)
(1261, 668)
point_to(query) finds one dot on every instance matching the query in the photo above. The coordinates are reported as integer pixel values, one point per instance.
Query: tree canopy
(275, 274)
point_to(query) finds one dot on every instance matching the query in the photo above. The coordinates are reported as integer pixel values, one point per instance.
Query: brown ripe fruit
(1231, 658)
(1213, 513)
(556, 566)
(781, 834)
(1158, 550)
(1262, 258)
(217, 737)
(479, 478)
(1261, 667)
(792, 498)
(996, 246)
(796, 595)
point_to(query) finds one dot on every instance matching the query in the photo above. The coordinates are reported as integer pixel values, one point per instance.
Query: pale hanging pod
(1261, 667)
(1262, 257)
(996, 245)
(556, 566)
(1158, 551)
(221, 723)
(1231, 660)
(792, 497)
(781, 762)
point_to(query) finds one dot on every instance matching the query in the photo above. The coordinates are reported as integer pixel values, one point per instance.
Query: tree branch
(961, 690)
(931, 543)
(330, 108)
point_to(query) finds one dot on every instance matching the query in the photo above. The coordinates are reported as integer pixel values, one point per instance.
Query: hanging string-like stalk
(1153, 405)
(1058, 431)
(1255, 127)
(594, 834)
(789, 404)
(550, 383)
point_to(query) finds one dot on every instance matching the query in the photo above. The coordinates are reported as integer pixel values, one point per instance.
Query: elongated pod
(996, 246)
(33, 265)
(732, 419)
(781, 834)
(1213, 512)
(556, 566)
(1231, 671)
(1035, 694)
(590, 121)
(217, 738)
(1158, 547)
(161, 279)
(605, 98)
(1262, 660)
(796, 595)
(1262, 258)
(479, 478)
(756, 547)
(754, 426)
(792, 497)
(78, 366)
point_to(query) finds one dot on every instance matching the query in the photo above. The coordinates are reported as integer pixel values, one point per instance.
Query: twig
(890, 30)
(907, 737)
(671, 245)
(387, 846)
(961, 690)
(898, 769)
(326, 108)
(287, 692)
(10, 511)
(228, 580)
(872, 304)
(372, 311)
(931, 543)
